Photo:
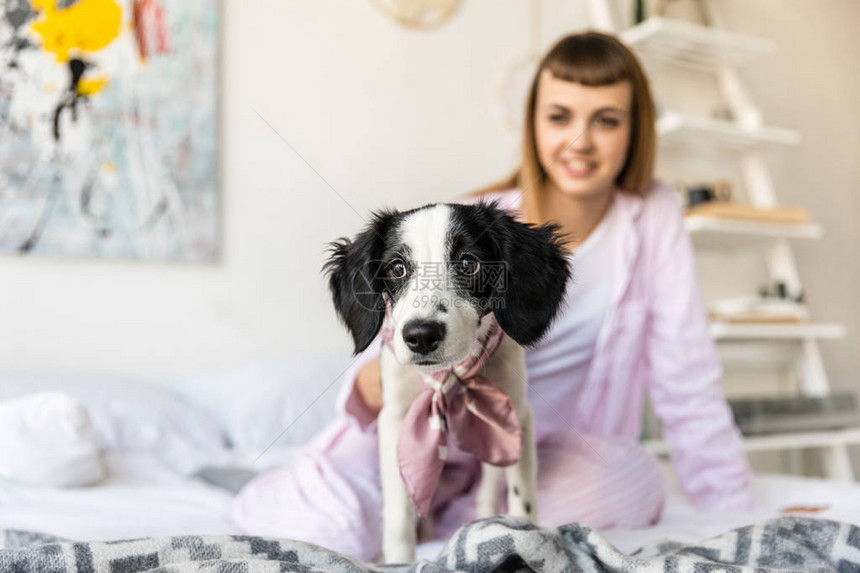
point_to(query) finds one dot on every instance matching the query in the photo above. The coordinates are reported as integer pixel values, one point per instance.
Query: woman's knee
(634, 491)
(612, 484)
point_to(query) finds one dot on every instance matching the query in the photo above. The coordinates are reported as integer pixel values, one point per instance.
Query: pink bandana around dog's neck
(460, 402)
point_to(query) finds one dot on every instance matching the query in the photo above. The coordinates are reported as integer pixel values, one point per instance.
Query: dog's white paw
(521, 504)
(489, 490)
(399, 551)
(487, 508)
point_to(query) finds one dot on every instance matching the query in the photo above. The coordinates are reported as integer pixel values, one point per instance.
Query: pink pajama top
(654, 338)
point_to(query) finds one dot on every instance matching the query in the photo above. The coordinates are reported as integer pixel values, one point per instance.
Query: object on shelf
(702, 193)
(638, 11)
(761, 416)
(780, 291)
(727, 210)
(723, 113)
(757, 310)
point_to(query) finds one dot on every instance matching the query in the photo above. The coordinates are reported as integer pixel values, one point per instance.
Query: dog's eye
(468, 265)
(397, 269)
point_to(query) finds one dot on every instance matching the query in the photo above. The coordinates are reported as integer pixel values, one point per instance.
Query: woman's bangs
(590, 67)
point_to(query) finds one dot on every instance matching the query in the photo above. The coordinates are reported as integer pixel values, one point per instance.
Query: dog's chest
(400, 384)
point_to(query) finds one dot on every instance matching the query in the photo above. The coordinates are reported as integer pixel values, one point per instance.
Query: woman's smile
(579, 168)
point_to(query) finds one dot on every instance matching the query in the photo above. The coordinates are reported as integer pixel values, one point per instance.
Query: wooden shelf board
(730, 211)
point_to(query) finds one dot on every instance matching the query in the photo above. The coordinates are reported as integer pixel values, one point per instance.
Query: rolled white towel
(46, 439)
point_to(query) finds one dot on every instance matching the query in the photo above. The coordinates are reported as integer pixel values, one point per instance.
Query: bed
(155, 437)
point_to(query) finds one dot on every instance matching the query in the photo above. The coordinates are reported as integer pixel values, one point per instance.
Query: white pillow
(47, 440)
(279, 403)
(127, 415)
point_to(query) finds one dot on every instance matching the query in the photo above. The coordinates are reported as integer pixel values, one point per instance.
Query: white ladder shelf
(714, 50)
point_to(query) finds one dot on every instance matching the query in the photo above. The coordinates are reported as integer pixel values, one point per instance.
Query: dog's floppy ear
(355, 278)
(536, 271)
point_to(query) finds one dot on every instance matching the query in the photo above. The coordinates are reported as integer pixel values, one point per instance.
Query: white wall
(387, 115)
(392, 116)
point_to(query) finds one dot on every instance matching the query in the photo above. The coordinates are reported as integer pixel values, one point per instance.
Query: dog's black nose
(423, 336)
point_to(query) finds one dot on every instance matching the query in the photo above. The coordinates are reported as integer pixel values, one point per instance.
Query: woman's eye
(609, 121)
(397, 270)
(558, 118)
(468, 265)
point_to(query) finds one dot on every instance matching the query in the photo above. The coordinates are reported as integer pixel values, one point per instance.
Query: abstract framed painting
(108, 129)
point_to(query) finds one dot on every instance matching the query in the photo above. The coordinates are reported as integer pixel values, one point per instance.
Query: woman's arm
(368, 384)
(685, 372)
(361, 395)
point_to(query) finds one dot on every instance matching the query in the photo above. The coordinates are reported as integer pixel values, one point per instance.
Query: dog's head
(443, 268)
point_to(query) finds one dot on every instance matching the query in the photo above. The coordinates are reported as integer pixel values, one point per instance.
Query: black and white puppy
(446, 272)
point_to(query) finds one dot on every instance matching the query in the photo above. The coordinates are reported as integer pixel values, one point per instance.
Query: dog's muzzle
(423, 336)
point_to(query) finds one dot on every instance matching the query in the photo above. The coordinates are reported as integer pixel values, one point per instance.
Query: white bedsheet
(153, 440)
(143, 497)
(774, 493)
(681, 522)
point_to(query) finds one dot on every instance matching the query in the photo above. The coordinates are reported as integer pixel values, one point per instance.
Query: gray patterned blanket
(498, 544)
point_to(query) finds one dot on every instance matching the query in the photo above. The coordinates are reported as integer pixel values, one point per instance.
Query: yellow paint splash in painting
(90, 87)
(87, 26)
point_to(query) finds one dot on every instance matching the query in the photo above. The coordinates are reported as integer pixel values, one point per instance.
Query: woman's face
(582, 133)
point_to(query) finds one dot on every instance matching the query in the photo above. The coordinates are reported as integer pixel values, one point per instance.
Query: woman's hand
(369, 386)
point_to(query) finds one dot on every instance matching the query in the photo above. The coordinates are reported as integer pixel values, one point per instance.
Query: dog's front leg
(400, 386)
(508, 369)
(398, 515)
(489, 490)
(522, 476)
